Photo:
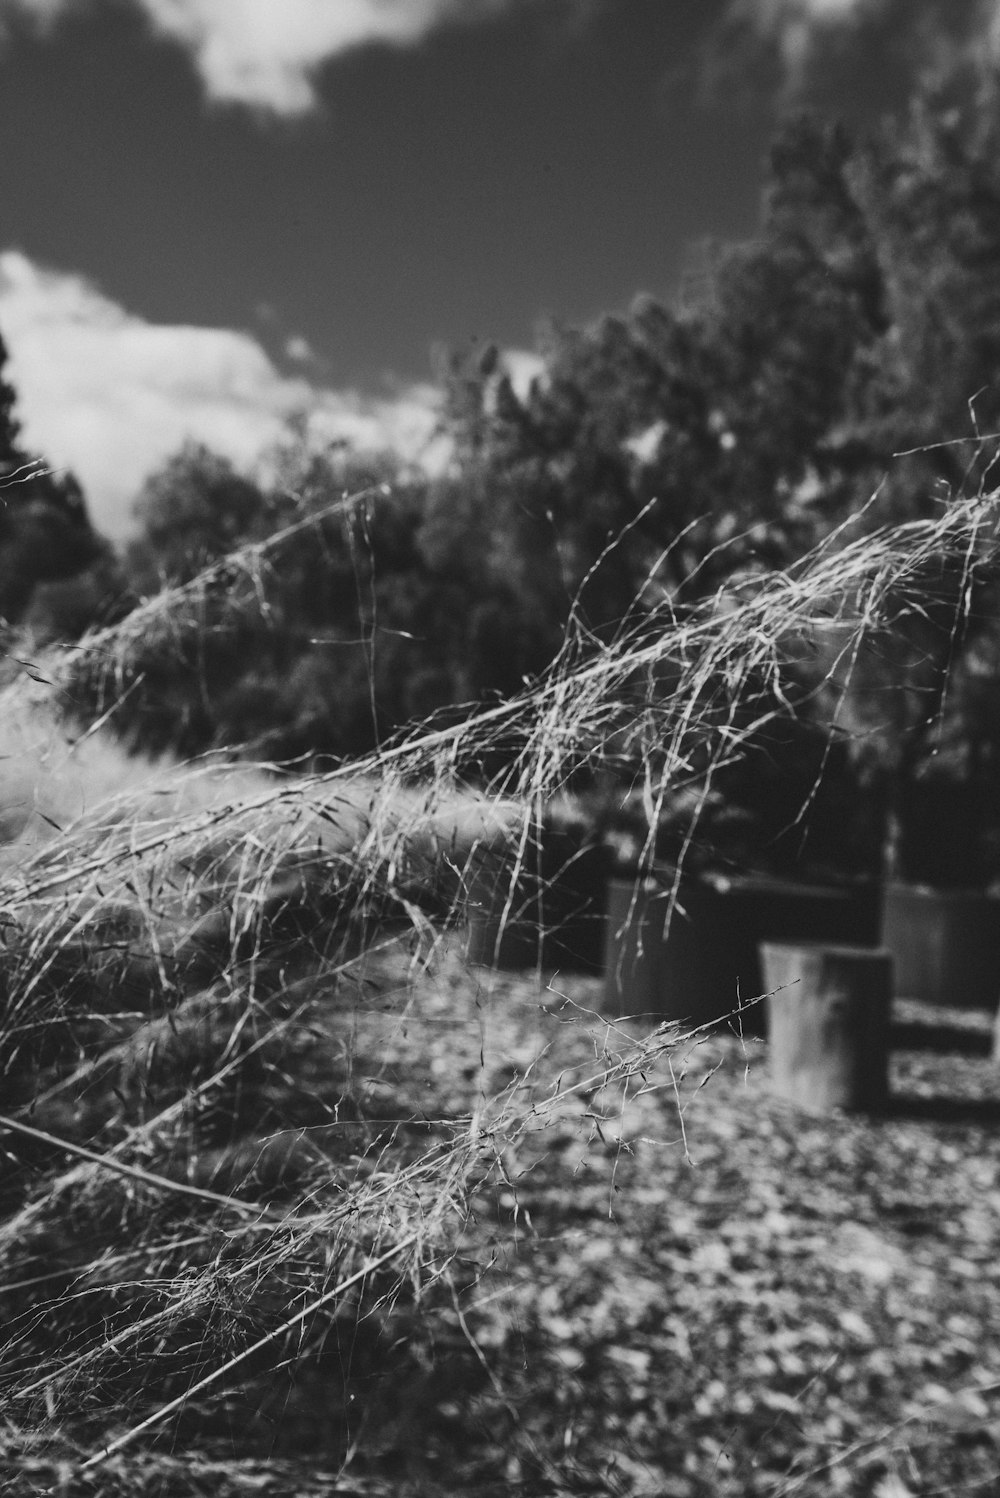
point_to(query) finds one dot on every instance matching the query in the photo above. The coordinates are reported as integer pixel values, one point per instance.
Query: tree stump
(828, 1025)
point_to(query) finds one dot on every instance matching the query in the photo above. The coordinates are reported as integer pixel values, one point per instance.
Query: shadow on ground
(944, 1109)
(943, 1038)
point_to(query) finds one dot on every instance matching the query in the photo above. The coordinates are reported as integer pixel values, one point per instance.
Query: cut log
(828, 1025)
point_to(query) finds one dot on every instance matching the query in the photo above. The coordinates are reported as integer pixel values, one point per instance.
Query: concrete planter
(760, 909)
(673, 974)
(945, 944)
(710, 959)
(554, 913)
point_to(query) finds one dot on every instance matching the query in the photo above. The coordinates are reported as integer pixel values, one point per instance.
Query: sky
(219, 214)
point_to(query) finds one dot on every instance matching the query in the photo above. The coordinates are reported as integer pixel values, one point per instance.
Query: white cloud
(299, 349)
(266, 53)
(263, 53)
(522, 367)
(110, 395)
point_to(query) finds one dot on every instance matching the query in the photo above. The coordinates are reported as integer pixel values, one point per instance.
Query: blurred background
(588, 309)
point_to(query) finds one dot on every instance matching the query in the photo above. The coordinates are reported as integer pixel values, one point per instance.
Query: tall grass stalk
(206, 1176)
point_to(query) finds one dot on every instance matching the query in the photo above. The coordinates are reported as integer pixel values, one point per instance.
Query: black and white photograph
(500, 748)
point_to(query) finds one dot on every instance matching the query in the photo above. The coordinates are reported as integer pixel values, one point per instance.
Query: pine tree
(46, 539)
(9, 428)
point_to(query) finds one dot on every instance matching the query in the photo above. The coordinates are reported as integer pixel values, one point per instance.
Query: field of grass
(293, 1200)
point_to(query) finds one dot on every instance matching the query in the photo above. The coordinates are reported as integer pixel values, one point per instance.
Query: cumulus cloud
(266, 53)
(522, 367)
(110, 395)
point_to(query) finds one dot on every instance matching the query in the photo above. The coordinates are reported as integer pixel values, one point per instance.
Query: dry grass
(205, 1177)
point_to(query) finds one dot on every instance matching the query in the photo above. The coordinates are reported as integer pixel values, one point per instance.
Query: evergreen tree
(46, 539)
(9, 452)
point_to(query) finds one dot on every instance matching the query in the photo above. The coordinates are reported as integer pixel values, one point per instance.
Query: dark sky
(550, 157)
(455, 189)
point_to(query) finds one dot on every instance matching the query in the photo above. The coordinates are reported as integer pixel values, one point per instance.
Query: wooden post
(828, 1025)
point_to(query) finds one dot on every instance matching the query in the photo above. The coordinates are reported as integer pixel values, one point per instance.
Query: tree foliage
(193, 510)
(850, 348)
(8, 425)
(56, 574)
